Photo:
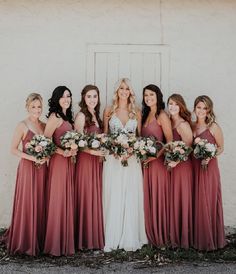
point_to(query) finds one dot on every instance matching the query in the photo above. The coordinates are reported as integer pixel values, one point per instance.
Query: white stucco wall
(44, 44)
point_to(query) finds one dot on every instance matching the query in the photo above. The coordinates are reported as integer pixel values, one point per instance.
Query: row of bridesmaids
(102, 205)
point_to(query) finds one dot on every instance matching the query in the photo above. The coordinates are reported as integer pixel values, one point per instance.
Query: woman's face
(35, 109)
(150, 98)
(91, 99)
(123, 91)
(65, 100)
(201, 110)
(173, 107)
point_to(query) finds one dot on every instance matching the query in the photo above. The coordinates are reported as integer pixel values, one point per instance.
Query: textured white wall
(43, 44)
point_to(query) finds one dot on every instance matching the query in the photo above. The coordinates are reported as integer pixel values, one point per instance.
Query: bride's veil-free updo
(131, 99)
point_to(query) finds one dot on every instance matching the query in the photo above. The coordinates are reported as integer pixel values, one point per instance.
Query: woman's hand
(172, 164)
(205, 161)
(100, 153)
(148, 160)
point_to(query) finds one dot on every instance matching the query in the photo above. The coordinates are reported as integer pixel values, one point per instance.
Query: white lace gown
(123, 198)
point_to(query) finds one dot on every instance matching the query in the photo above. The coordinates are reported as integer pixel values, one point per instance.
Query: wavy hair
(160, 103)
(54, 106)
(183, 110)
(210, 118)
(131, 100)
(84, 107)
(32, 97)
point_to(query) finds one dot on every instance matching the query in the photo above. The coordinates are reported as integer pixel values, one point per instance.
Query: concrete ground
(118, 268)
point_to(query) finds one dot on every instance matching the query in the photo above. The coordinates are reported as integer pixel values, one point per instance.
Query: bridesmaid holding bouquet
(59, 239)
(26, 232)
(208, 209)
(156, 123)
(181, 185)
(89, 232)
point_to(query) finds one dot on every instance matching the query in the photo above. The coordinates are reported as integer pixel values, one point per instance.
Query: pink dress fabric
(208, 209)
(89, 233)
(26, 232)
(156, 193)
(59, 239)
(181, 189)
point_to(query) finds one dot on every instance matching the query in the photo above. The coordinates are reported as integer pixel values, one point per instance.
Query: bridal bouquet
(176, 151)
(121, 145)
(204, 150)
(73, 140)
(41, 147)
(145, 147)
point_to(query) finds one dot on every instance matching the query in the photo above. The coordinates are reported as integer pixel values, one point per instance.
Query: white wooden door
(143, 64)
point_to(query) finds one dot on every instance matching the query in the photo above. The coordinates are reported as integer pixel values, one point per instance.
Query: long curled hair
(160, 103)
(84, 107)
(54, 105)
(210, 118)
(183, 110)
(131, 100)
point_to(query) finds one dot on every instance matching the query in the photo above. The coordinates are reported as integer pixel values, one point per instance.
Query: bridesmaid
(181, 184)
(59, 239)
(208, 210)
(26, 232)
(155, 122)
(89, 232)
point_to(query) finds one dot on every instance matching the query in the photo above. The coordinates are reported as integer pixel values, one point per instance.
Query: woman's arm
(106, 118)
(139, 118)
(165, 123)
(186, 133)
(18, 136)
(80, 122)
(218, 134)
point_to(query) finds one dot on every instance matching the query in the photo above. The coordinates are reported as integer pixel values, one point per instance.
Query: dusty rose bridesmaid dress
(89, 233)
(59, 239)
(208, 210)
(156, 193)
(26, 232)
(181, 190)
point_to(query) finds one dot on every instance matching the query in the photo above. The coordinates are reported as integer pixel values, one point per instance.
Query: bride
(123, 186)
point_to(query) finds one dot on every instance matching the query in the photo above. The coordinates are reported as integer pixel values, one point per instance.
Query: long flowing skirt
(123, 205)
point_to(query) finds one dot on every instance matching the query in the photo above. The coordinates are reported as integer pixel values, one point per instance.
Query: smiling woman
(123, 186)
(26, 232)
(59, 238)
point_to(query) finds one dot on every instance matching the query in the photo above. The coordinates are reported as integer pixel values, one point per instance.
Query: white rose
(95, 144)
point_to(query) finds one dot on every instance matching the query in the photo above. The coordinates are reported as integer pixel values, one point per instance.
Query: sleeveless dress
(89, 232)
(59, 239)
(123, 198)
(181, 189)
(26, 232)
(208, 209)
(156, 192)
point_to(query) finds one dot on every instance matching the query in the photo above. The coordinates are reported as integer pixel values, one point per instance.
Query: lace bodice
(116, 125)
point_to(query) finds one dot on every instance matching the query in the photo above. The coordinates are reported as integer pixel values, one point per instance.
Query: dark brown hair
(84, 107)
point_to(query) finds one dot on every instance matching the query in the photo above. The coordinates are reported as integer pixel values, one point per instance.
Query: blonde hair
(131, 99)
(210, 118)
(32, 97)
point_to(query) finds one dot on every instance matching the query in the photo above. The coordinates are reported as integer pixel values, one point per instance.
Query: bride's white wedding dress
(123, 198)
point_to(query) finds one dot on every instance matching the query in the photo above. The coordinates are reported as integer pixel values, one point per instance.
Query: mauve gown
(156, 192)
(89, 233)
(208, 209)
(26, 232)
(59, 239)
(181, 215)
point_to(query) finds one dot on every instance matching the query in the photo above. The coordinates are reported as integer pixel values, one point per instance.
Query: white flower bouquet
(145, 147)
(121, 145)
(40, 147)
(73, 140)
(204, 150)
(176, 151)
